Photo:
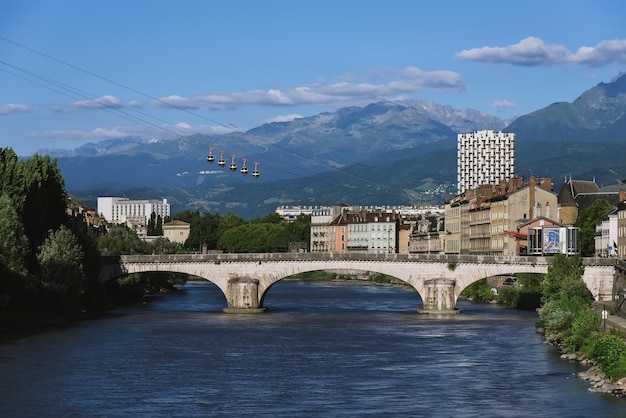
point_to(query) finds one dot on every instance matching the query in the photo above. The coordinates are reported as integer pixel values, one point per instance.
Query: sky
(75, 71)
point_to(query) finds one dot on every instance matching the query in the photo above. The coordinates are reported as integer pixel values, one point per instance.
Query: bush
(584, 327)
(557, 316)
(609, 352)
(508, 296)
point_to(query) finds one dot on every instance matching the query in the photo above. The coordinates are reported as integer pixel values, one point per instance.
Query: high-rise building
(484, 157)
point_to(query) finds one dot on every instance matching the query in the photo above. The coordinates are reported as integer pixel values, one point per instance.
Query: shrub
(508, 295)
(584, 326)
(609, 352)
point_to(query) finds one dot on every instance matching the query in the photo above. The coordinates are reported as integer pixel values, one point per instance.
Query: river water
(322, 349)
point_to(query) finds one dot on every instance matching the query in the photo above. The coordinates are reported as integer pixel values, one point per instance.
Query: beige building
(428, 235)
(481, 220)
(176, 231)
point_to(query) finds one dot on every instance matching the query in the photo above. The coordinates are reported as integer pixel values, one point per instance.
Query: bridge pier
(439, 297)
(243, 296)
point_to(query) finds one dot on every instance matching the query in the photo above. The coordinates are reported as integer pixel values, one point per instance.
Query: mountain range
(385, 153)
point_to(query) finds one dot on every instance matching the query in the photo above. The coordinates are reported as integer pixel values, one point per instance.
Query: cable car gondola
(210, 158)
(221, 162)
(244, 169)
(233, 165)
(255, 172)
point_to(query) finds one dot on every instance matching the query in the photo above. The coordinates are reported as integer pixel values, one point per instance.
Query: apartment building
(324, 228)
(484, 157)
(485, 220)
(428, 235)
(373, 232)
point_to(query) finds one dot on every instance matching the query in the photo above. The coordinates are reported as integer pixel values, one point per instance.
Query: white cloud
(108, 102)
(283, 118)
(503, 104)
(605, 53)
(173, 130)
(13, 108)
(397, 82)
(532, 51)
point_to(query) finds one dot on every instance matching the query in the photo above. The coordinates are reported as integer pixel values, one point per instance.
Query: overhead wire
(117, 108)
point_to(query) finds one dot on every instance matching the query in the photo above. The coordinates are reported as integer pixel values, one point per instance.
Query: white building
(373, 232)
(606, 238)
(122, 210)
(484, 157)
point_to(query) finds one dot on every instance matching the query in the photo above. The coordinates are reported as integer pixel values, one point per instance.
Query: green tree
(587, 221)
(155, 225)
(12, 178)
(203, 229)
(62, 280)
(13, 240)
(159, 226)
(45, 203)
(163, 245)
(562, 270)
(300, 229)
(151, 230)
(479, 291)
(229, 221)
(120, 240)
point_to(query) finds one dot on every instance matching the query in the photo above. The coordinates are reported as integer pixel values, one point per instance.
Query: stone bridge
(439, 279)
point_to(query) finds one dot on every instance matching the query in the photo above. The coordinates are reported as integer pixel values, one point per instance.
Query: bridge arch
(438, 279)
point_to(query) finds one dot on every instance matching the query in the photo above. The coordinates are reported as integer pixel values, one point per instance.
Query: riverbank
(598, 380)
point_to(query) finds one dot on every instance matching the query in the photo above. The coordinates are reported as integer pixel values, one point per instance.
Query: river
(323, 349)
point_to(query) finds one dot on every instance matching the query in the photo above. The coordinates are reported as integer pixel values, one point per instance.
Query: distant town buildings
(484, 157)
(384, 230)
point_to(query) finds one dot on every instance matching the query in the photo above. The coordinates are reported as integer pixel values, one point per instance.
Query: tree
(586, 221)
(151, 230)
(44, 187)
(300, 229)
(564, 269)
(159, 226)
(11, 178)
(203, 229)
(61, 278)
(13, 240)
(229, 221)
(120, 240)
(163, 245)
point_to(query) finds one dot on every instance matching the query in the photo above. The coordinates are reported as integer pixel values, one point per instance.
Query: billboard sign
(551, 240)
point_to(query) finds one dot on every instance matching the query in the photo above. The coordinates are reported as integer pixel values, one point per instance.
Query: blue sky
(77, 71)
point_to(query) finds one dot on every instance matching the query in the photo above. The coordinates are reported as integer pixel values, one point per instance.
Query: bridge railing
(351, 256)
